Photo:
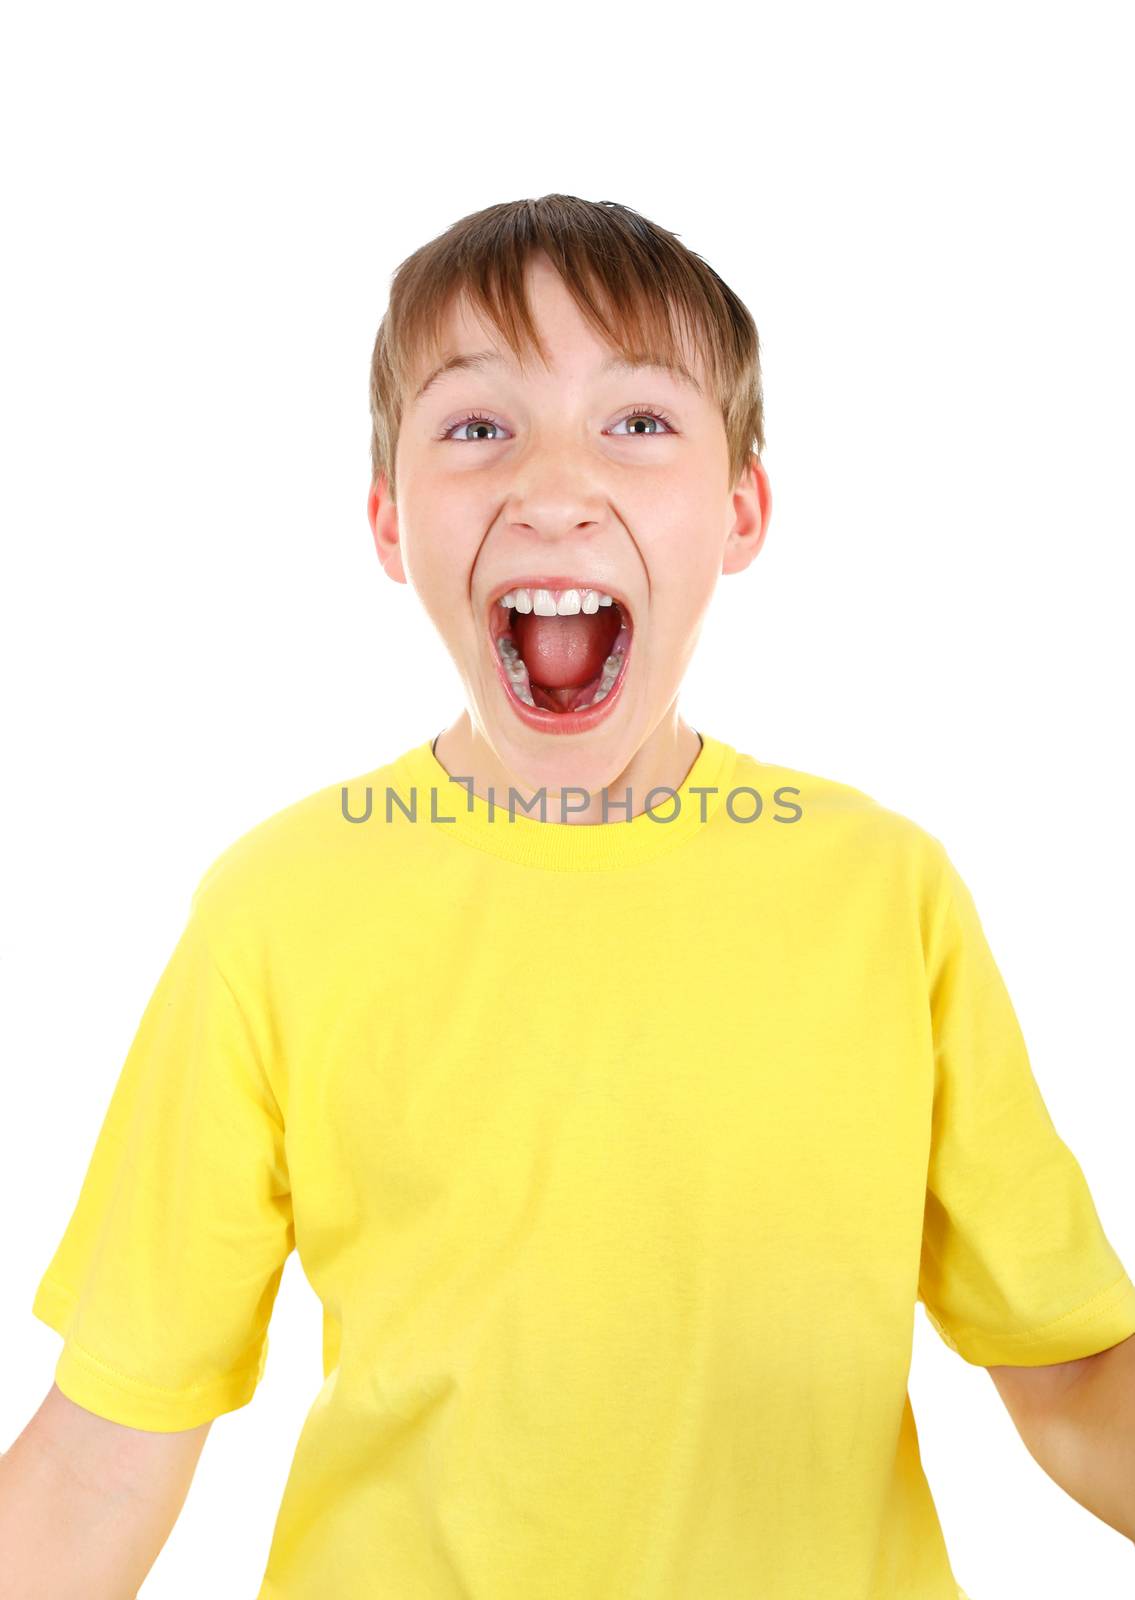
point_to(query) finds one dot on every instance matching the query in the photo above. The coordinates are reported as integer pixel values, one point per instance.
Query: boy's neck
(664, 761)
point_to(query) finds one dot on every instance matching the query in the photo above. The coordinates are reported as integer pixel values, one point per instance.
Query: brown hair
(627, 275)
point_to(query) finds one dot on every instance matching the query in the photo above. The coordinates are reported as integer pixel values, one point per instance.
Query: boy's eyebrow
(613, 363)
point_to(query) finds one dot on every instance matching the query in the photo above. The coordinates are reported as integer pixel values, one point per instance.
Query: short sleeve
(164, 1281)
(1015, 1265)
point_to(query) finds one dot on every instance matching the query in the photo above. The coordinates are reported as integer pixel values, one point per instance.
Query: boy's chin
(589, 760)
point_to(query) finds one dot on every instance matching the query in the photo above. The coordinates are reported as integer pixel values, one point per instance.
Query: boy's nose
(557, 493)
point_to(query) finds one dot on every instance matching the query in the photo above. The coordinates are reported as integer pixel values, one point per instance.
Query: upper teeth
(555, 602)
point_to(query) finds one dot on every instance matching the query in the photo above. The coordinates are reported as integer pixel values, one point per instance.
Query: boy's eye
(471, 421)
(647, 414)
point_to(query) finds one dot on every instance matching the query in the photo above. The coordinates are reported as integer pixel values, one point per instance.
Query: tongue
(564, 653)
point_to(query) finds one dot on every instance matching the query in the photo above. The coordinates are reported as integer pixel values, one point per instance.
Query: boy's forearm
(64, 1539)
(1088, 1443)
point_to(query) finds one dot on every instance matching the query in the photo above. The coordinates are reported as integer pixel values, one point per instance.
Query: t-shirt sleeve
(1015, 1265)
(164, 1281)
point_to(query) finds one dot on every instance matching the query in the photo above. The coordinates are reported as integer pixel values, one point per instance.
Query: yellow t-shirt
(618, 1156)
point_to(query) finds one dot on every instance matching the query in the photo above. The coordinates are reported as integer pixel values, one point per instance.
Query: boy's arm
(1077, 1420)
(87, 1504)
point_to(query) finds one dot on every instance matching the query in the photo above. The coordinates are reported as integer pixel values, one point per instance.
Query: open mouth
(560, 650)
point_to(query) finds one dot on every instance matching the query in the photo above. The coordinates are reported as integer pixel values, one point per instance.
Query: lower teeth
(606, 679)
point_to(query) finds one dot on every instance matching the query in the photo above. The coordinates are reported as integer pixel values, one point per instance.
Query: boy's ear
(752, 503)
(382, 514)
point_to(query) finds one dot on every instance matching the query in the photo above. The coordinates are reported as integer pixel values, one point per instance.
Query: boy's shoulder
(296, 856)
(838, 817)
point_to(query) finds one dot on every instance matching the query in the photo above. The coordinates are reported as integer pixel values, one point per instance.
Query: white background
(928, 213)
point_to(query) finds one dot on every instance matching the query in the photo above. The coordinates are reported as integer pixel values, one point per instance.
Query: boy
(620, 1092)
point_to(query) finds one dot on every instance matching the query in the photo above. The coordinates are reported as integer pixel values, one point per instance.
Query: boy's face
(557, 478)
